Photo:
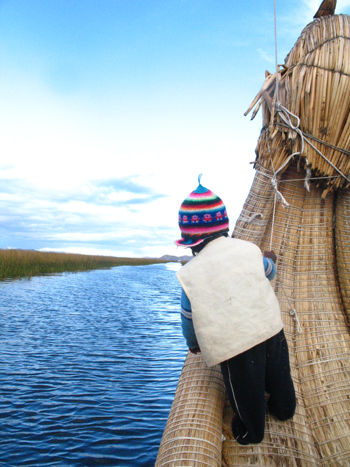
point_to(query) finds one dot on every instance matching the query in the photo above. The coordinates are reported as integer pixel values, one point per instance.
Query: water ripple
(89, 363)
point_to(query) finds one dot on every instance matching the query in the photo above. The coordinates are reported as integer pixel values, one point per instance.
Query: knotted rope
(286, 116)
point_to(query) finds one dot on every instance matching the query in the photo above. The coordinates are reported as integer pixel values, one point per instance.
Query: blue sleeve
(270, 268)
(187, 323)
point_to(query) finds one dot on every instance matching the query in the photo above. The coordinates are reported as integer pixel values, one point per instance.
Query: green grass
(28, 263)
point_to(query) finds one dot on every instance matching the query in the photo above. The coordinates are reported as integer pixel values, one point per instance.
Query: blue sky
(111, 108)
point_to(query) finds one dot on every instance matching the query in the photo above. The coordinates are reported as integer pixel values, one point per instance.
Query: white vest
(233, 304)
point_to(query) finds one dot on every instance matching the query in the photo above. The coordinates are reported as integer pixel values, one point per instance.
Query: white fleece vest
(233, 304)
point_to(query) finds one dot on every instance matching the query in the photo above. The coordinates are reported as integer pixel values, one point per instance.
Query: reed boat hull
(310, 233)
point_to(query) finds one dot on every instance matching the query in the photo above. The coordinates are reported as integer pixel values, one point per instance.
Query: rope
(311, 65)
(293, 179)
(274, 205)
(285, 115)
(321, 141)
(274, 183)
(327, 160)
(303, 138)
(311, 178)
(249, 219)
(273, 219)
(292, 311)
(296, 319)
(276, 62)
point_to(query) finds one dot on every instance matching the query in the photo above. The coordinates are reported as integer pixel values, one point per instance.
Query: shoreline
(17, 263)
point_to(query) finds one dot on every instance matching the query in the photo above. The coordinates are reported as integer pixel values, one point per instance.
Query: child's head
(202, 215)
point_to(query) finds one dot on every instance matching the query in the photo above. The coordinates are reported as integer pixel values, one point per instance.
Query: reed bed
(27, 263)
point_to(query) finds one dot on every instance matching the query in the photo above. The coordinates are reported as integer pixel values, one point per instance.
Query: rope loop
(293, 313)
(287, 117)
(254, 216)
(279, 195)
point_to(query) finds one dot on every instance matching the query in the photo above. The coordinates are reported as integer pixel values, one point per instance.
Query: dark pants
(247, 376)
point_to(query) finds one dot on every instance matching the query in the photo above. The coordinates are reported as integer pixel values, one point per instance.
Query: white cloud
(61, 152)
(98, 236)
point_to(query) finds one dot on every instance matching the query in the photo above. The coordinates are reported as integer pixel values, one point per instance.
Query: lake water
(89, 364)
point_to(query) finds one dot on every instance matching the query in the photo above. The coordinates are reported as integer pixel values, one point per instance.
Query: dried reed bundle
(319, 433)
(342, 236)
(257, 209)
(193, 434)
(314, 85)
(302, 234)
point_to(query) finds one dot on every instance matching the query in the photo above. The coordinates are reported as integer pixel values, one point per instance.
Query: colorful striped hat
(202, 214)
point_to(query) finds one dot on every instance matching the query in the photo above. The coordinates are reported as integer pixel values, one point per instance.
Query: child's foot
(240, 433)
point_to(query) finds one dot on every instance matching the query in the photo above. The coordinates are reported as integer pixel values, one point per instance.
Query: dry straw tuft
(314, 85)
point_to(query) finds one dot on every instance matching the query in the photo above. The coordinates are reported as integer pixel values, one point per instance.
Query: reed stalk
(16, 263)
(313, 264)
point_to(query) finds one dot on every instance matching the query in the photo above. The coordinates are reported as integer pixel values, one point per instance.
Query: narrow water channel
(89, 364)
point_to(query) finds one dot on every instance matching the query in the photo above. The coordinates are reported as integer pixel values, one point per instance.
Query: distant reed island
(15, 264)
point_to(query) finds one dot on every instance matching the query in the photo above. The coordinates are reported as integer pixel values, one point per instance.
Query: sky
(110, 109)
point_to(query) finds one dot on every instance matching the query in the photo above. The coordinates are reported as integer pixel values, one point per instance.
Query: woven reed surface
(315, 86)
(319, 433)
(313, 276)
(343, 246)
(303, 240)
(193, 434)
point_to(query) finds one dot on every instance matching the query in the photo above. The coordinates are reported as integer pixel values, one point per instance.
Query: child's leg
(244, 377)
(278, 379)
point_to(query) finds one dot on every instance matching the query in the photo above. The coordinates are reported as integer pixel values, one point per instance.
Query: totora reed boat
(299, 204)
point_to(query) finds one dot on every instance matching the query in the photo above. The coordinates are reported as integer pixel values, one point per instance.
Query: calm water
(89, 364)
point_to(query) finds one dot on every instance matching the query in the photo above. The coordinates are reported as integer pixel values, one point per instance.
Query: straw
(319, 433)
(310, 233)
(343, 247)
(315, 86)
(193, 434)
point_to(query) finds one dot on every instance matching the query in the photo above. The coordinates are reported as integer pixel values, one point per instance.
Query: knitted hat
(202, 214)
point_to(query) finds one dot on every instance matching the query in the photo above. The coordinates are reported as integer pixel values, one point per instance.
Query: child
(230, 313)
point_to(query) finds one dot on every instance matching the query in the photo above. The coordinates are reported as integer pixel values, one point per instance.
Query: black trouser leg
(247, 376)
(278, 379)
(244, 377)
